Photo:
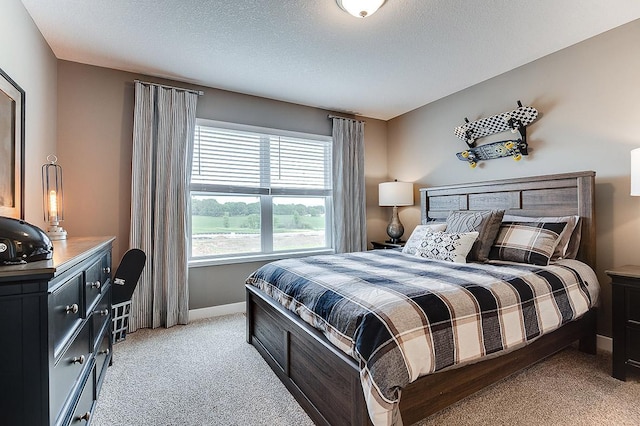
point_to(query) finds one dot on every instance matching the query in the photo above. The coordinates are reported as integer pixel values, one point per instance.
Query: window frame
(266, 196)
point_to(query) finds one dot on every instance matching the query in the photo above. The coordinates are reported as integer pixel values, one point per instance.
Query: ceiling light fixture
(360, 8)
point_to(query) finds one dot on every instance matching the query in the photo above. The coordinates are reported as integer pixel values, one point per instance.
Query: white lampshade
(395, 194)
(635, 171)
(360, 8)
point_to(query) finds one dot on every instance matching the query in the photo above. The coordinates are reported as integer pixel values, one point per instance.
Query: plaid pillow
(527, 242)
(569, 241)
(452, 247)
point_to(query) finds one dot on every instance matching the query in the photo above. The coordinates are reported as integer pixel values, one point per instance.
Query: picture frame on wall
(12, 121)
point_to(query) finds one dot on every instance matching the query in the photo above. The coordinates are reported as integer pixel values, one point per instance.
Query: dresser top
(66, 253)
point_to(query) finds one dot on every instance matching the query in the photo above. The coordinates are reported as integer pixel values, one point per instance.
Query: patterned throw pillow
(527, 242)
(418, 234)
(569, 241)
(452, 247)
(485, 222)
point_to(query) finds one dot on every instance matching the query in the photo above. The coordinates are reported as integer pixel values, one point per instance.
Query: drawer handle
(96, 285)
(78, 359)
(106, 270)
(71, 309)
(85, 416)
(105, 352)
(103, 312)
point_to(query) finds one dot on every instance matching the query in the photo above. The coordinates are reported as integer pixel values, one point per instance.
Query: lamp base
(56, 232)
(395, 229)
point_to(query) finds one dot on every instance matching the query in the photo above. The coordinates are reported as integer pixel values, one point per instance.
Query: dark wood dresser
(625, 295)
(55, 334)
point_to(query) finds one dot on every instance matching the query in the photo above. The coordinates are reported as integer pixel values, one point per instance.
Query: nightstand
(625, 290)
(386, 245)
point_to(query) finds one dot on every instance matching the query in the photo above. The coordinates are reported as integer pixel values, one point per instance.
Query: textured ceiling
(310, 52)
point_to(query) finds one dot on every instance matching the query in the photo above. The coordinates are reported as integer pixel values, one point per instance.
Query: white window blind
(257, 163)
(226, 158)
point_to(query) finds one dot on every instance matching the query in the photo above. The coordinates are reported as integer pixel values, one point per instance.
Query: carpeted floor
(206, 374)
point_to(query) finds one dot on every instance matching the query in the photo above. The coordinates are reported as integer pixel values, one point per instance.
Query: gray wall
(28, 60)
(587, 96)
(95, 126)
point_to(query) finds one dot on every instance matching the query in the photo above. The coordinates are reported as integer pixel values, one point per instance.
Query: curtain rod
(197, 92)
(330, 116)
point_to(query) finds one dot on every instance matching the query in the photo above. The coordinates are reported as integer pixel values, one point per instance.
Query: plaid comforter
(403, 317)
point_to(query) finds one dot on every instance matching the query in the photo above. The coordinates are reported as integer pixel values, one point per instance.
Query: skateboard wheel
(473, 164)
(464, 154)
(509, 145)
(517, 157)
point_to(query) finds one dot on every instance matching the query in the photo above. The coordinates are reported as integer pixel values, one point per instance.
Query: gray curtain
(164, 122)
(349, 204)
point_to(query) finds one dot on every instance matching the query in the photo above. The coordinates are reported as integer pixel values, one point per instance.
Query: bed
(326, 381)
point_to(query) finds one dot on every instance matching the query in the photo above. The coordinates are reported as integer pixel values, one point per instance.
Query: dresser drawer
(84, 409)
(106, 267)
(102, 356)
(65, 312)
(95, 282)
(100, 317)
(69, 368)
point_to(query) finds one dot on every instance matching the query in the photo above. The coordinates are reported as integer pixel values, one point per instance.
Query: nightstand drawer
(68, 369)
(633, 343)
(633, 304)
(377, 245)
(65, 312)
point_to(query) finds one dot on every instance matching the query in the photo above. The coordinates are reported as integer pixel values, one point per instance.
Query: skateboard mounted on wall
(516, 121)
(511, 148)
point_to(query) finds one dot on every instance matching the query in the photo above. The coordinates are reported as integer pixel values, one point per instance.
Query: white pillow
(451, 247)
(418, 234)
(569, 240)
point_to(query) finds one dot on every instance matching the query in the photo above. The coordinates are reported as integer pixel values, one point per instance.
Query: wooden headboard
(552, 195)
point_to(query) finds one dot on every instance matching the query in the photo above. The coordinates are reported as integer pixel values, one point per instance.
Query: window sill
(200, 263)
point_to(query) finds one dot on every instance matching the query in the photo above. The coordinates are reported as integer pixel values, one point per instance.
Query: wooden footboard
(326, 382)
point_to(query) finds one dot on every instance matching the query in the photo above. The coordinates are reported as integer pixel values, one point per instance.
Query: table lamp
(395, 194)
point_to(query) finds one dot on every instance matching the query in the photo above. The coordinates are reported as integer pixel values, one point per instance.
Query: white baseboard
(604, 343)
(216, 311)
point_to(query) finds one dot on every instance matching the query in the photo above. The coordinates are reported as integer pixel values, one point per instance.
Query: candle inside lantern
(53, 205)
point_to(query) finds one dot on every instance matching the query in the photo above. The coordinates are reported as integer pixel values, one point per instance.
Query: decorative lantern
(52, 198)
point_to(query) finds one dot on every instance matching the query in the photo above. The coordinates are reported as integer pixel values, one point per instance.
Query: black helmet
(22, 242)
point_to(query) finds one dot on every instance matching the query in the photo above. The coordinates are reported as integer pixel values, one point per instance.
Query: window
(258, 192)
